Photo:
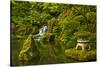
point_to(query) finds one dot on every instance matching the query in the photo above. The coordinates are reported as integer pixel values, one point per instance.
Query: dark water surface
(49, 53)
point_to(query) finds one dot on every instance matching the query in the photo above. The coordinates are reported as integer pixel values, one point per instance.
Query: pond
(44, 53)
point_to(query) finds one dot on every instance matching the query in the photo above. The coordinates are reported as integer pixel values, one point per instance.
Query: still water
(46, 53)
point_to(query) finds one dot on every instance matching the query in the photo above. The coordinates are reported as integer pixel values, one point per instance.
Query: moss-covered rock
(81, 55)
(29, 53)
(25, 48)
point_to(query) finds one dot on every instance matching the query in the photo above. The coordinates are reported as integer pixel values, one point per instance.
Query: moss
(81, 55)
(25, 48)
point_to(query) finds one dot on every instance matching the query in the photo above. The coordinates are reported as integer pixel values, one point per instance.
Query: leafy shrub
(56, 30)
(92, 37)
(91, 16)
(64, 39)
(71, 43)
(47, 37)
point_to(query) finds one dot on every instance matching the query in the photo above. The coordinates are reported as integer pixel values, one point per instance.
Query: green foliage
(72, 43)
(44, 38)
(65, 38)
(65, 23)
(92, 37)
(91, 17)
(82, 34)
(81, 55)
(56, 30)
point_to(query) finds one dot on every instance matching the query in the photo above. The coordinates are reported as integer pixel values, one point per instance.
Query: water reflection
(43, 53)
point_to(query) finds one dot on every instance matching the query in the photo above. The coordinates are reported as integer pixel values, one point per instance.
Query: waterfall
(42, 31)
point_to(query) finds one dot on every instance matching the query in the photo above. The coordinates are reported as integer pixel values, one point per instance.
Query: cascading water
(27, 43)
(36, 37)
(42, 31)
